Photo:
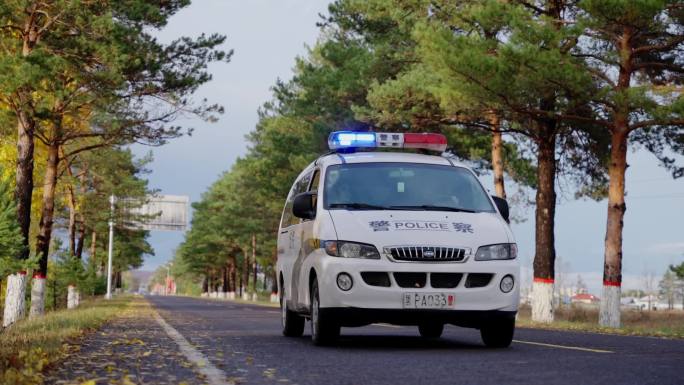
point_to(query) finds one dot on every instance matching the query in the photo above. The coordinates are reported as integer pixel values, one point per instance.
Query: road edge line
(563, 347)
(214, 375)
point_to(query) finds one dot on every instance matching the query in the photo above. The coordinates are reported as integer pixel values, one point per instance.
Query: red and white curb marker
(72, 301)
(37, 295)
(15, 299)
(609, 309)
(542, 300)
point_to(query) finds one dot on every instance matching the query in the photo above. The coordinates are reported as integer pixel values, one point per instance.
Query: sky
(267, 36)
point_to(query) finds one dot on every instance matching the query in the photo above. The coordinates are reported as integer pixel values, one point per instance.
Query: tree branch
(656, 122)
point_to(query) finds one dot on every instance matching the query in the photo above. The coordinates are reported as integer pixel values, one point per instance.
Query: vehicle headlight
(346, 249)
(497, 252)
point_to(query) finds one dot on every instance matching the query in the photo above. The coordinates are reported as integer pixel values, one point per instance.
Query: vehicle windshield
(403, 186)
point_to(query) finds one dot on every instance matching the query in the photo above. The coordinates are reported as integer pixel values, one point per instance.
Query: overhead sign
(162, 212)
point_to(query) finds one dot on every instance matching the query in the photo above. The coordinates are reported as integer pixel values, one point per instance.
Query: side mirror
(502, 205)
(304, 206)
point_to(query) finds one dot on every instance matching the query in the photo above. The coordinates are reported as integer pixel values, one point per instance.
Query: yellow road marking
(563, 347)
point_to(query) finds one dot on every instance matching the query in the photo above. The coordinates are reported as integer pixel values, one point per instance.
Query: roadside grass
(30, 346)
(667, 324)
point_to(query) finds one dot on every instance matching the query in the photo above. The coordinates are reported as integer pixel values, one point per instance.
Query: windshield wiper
(433, 208)
(357, 206)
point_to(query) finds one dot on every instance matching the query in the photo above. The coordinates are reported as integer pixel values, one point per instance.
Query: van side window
(314, 185)
(316, 181)
(299, 186)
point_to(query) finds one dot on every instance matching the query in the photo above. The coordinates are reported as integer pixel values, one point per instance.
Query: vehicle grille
(445, 280)
(413, 280)
(426, 253)
(376, 278)
(478, 280)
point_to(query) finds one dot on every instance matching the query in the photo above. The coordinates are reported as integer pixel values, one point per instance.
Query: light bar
(340, 140)
(349, 140)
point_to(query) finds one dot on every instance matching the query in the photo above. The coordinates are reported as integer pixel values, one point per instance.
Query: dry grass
(29, 346)
(669, 324)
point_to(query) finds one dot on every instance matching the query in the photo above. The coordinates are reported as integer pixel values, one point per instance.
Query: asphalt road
(244, 342)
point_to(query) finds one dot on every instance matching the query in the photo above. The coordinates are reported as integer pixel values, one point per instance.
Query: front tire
(293, 323)
(498, 334)
(324, 331)
(431, 330)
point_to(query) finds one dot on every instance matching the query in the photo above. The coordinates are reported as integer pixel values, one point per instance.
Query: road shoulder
(132, 348)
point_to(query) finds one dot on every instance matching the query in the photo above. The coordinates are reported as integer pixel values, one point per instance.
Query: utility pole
(112, 199)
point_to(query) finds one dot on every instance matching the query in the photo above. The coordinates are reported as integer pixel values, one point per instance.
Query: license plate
(428, 301)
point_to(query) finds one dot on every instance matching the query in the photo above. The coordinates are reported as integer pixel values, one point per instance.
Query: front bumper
(364, 296)
(466, 318)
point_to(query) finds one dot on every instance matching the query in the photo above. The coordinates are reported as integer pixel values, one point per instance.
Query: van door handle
(284, 231)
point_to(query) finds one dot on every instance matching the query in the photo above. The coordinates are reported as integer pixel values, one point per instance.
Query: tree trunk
(245, 274)
(15, 302)
(93, 245)
(254, 265)
(231, 275)
(72, 297)
(81, 219)
(80, 239)
(545, 252)
(609, 315)
(24, 175)
(609, 310)
(23, 190)
(497, 156)
(48, 209)
(72, 220)
(205, 285)
(37, 296)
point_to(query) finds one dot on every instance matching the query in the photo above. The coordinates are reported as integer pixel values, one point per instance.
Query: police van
(398, 237)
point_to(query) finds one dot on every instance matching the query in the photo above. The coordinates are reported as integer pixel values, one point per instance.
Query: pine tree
(11, 240)
(633, 50)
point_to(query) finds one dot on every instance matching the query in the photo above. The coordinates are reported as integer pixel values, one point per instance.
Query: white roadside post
(111, 247)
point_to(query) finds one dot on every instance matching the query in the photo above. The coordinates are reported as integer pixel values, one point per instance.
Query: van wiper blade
(433, 208)
(358, 206)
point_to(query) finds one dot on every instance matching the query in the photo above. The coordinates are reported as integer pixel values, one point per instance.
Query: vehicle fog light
(344, 281)
(506, 284)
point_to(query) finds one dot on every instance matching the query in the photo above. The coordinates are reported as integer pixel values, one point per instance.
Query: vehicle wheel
(431, 330)
(498, 334)
(293, 323)
(323, 331)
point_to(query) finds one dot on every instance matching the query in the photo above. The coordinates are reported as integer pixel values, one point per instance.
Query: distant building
(584, 298)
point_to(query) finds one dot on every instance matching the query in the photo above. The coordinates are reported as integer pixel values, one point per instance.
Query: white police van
(395, 237)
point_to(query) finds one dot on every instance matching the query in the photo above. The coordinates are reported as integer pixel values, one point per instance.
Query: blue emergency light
(350, 140)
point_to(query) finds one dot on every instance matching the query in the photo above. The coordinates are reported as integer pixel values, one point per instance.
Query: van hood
(421, 228)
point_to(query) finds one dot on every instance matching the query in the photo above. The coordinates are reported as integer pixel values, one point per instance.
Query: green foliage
(10, 234)
(678, 270)
(637, 85)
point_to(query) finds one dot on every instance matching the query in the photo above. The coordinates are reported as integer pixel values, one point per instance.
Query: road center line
(387, 325)
(563, 347)
(213, 374)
